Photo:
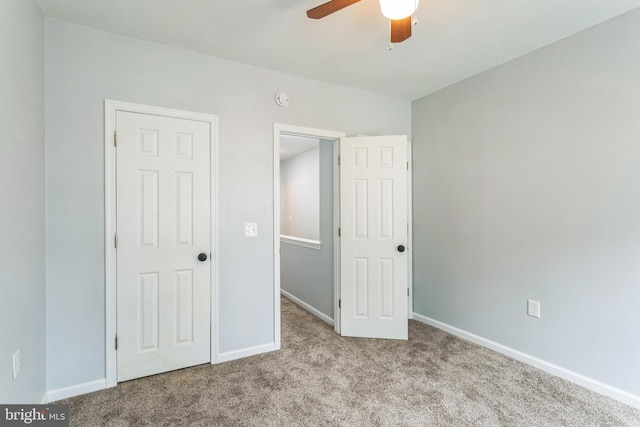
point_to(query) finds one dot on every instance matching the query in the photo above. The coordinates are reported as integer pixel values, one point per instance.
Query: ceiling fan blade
(328, 8)
(400, 29)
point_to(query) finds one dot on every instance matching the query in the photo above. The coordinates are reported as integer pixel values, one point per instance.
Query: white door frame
(410, 221)
(111, 107)
(279, 129)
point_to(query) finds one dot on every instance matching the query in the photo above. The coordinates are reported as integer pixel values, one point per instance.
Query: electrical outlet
(16, 364)
(533, 308)
(250, 229)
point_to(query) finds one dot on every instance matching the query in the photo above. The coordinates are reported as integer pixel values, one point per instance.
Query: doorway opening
(306, 220)
(371, 230)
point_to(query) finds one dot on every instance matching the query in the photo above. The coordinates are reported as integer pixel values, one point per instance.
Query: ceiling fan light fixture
(398, 9)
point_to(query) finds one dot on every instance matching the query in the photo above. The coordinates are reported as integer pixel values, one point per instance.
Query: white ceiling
(292, 145)
(453, 39)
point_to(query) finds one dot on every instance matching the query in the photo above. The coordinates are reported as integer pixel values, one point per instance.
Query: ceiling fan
(398, 11)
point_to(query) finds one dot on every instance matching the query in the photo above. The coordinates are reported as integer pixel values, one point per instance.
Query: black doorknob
(202, 257)
(400, 248)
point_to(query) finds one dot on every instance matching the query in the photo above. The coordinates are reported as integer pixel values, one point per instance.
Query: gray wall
(527, 185)
(86, 66)
(300, 195)
(306, 273)
(22, 187)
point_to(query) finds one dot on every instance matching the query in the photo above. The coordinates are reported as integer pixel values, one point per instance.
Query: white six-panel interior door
(163, 217)
(374, 237)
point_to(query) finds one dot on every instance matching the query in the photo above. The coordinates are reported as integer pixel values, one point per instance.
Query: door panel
(373, 201)
(163, 222)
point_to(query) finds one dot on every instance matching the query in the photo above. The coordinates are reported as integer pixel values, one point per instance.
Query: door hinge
(115, 241)
(407, 291)
(339, 232)
(116, 342)
(407, 165)
(339, 303)
(338, 160)
(115, 138)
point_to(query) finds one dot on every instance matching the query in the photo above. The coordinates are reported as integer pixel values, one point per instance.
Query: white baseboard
(307, 307)
(581, 380)
(245, 352)
(75, 390)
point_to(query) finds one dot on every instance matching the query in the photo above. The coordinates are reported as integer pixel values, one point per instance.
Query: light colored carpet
(320, 378)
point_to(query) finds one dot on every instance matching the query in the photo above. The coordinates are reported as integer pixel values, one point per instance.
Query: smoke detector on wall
(282, 99)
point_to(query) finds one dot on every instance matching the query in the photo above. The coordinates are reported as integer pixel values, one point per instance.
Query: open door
(374, 237)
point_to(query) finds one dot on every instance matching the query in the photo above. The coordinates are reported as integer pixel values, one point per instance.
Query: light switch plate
(250, 229)
(533, 308)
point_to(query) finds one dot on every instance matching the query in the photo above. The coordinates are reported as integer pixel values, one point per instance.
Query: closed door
(163, 244)
(374, 236)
